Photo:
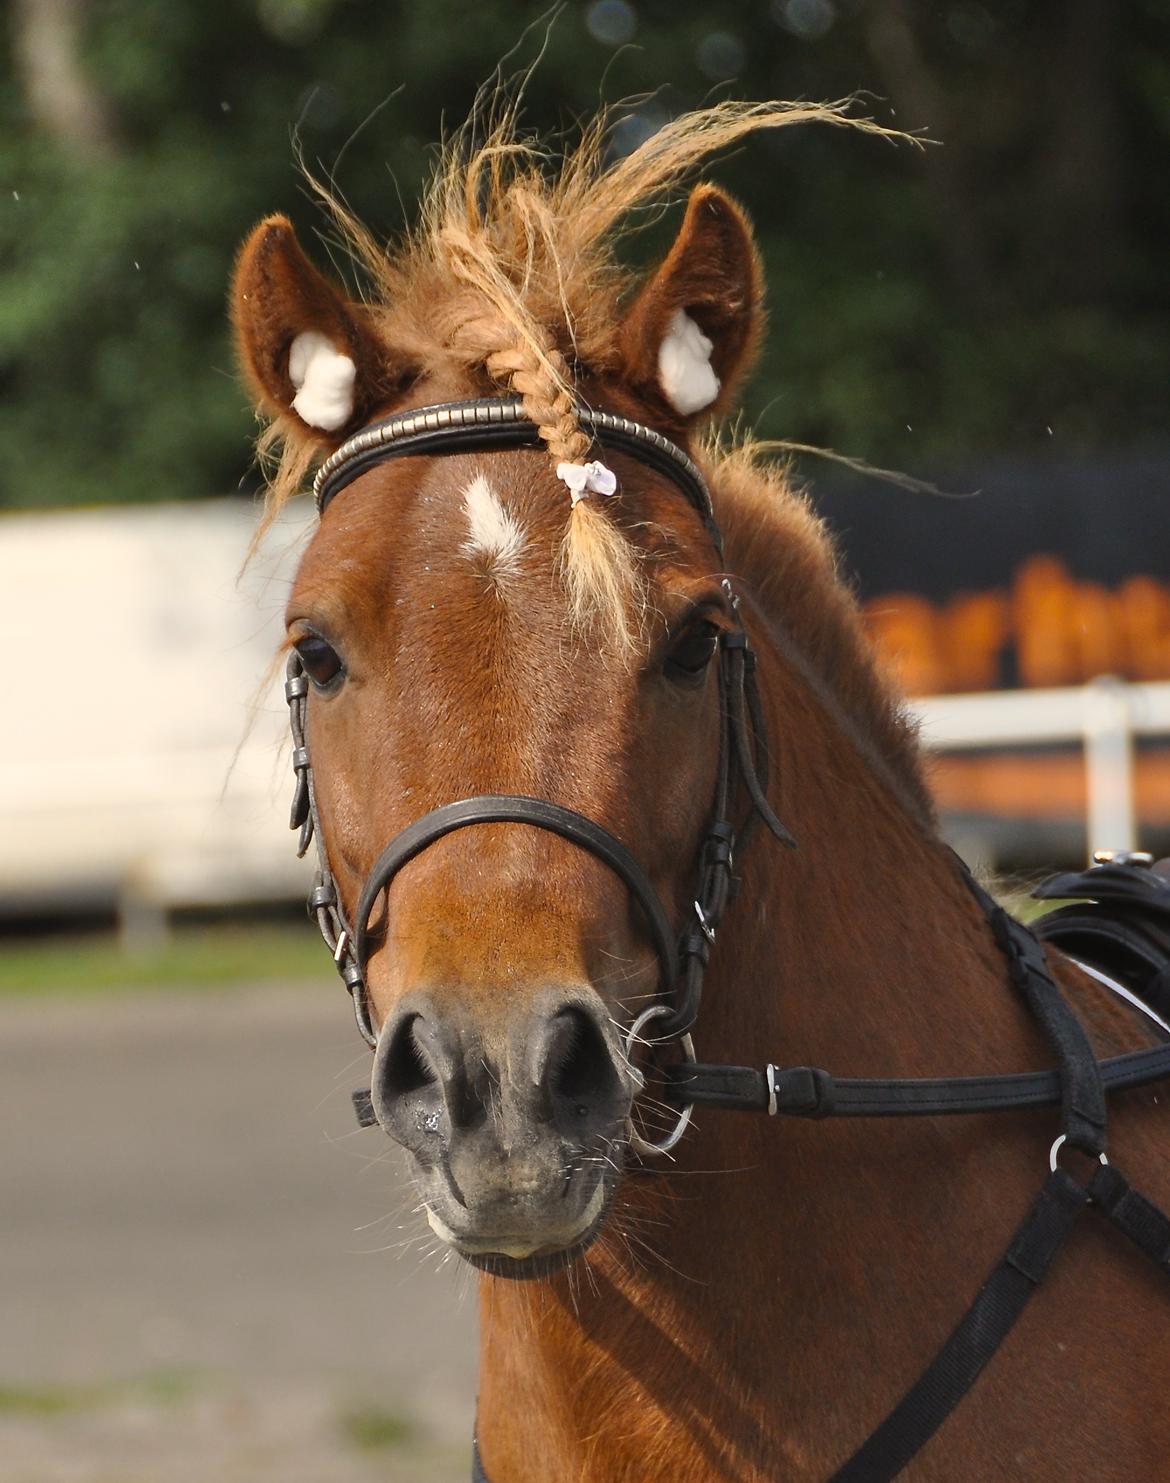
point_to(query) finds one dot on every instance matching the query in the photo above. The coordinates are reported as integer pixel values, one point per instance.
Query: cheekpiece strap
(324, 902)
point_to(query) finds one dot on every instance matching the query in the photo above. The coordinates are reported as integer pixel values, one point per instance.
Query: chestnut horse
(492, 620)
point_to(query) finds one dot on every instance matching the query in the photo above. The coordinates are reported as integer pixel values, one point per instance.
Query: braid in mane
(548, 403)
(598, 564)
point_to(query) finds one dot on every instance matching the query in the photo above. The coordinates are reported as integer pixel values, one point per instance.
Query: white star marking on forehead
(495, 538)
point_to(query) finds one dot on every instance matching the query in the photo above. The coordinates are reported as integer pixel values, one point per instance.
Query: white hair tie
(584, 479)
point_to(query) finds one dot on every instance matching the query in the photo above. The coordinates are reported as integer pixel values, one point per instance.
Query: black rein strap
(809, 1092)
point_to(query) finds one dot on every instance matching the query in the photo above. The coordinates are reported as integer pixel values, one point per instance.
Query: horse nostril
(408, 1085)
(408, 1066)
(579, 1077)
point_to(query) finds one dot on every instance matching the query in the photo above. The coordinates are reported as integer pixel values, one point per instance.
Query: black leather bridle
(492, 423)
(1079, 1083)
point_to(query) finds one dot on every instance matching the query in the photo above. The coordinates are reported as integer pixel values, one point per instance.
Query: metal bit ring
(641, 1145)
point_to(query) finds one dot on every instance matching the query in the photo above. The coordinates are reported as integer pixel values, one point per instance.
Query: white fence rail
(1104, 716)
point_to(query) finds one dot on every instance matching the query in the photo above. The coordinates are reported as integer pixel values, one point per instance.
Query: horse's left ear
(692, 333)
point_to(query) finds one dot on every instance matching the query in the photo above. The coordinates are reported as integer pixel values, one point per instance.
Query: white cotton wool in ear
(684, 366)
(324, 381)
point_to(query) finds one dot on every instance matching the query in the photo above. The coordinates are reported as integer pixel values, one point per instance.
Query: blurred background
(197, 1273)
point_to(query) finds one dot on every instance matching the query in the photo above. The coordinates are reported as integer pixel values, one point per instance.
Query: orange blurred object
(1042, 785)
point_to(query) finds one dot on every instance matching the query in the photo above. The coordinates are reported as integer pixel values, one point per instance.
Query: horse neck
(861, 951)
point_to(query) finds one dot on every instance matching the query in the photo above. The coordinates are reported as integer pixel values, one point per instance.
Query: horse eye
(688, 660)
(321, 661)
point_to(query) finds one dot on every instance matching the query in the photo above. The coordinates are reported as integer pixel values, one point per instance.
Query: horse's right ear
(311, 357)
(691, 334)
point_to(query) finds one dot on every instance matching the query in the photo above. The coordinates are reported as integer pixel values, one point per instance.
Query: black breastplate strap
(991, 1317)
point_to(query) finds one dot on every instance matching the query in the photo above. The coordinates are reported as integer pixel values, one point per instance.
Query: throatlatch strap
(983, 1328)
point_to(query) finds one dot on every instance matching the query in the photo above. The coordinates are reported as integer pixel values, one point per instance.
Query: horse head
(493, 621)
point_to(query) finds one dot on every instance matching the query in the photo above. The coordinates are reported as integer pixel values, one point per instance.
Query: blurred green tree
(1001, 290)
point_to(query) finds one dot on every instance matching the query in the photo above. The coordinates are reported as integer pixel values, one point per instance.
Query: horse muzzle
(515, 1120)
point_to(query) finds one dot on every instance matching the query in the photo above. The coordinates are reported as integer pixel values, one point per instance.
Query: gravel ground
(198, 1277)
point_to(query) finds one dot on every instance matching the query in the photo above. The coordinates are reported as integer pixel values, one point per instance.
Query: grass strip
(208, 956)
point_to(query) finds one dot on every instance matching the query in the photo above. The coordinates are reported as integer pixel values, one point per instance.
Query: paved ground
(198, 1278)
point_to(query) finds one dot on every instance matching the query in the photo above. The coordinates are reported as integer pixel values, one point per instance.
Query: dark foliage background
(1004, 294)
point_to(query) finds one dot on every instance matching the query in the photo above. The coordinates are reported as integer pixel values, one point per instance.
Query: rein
(1079, 1082)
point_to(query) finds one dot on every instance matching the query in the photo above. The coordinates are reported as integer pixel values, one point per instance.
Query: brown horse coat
(752, 1311)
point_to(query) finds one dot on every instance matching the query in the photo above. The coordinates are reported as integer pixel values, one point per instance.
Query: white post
(143, 922)
(1109, 765)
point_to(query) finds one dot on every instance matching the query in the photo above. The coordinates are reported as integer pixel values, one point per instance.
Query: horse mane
(783, 556)
(511, 280)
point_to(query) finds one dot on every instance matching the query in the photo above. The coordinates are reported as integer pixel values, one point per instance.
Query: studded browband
(501, 422)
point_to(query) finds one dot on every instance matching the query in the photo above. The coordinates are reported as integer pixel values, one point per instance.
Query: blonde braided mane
(546, 401)
(599, 564)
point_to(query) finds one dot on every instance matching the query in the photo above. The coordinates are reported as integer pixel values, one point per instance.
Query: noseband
(493, 423)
